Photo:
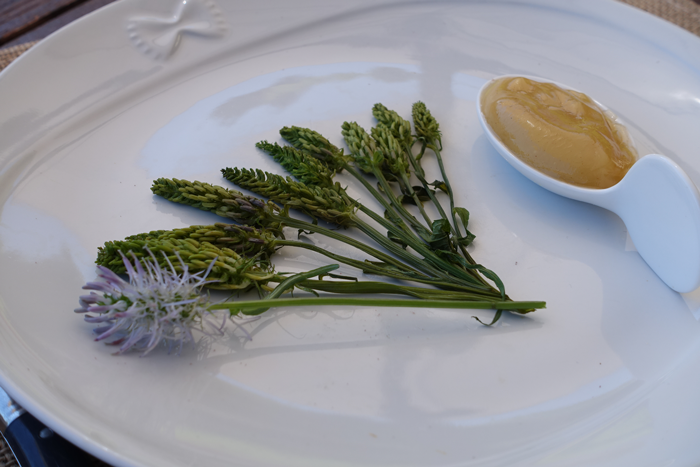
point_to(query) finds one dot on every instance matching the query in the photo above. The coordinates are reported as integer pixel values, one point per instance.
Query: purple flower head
(156, 305)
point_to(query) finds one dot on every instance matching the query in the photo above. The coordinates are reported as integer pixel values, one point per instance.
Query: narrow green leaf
(440, 185)
(467, 239)
(396, 240)
(341, 277)
(496, 317)
(440, 235)
(463, 215)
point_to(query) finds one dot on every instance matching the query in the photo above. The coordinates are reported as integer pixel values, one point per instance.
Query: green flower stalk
(371, 160)
(329, 203)
(266, 216)
(316, 145)
(243, 239)
(162, 303)
(435, 238)
(231, 204)
(428, 128)
(289, 160)
(227, 269)
(400, 128)
(299, 138)
(428, 132)
(307, 169)
(397, 164)
(221, 239)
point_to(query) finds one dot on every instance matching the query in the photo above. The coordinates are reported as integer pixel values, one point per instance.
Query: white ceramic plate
(607, 375)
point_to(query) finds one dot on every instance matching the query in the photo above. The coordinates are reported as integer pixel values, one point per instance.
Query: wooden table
(30, 20)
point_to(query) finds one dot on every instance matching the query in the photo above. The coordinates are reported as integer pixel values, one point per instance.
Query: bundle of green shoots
(427, 260)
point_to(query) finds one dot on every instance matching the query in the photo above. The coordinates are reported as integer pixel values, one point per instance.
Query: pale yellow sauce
(559, 132)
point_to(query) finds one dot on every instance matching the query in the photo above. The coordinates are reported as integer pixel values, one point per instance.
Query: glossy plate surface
(607, 375)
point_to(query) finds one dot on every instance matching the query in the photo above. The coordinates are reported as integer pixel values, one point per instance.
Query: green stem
(466, 292)
(409, 189)
(424, 264)
(420, 174)
(381, 256)
(365, 266)
(435, 149)
(373, 191)
(374, 287)
(417, 226)
(245, 306)
(444, 269)
(285, 285)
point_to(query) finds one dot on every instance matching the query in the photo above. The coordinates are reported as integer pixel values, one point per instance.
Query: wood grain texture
(30, 20)
(23, 15)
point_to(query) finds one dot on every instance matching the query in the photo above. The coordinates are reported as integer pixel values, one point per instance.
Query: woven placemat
(684, 13)
(6, 457)
(10, 53)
